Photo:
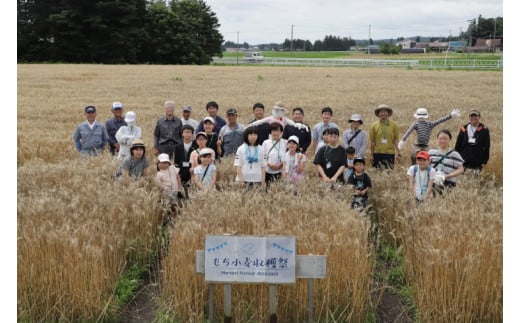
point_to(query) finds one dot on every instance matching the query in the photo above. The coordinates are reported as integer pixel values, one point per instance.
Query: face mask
(131, 124)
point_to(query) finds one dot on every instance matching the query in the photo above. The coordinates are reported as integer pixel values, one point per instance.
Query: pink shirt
(167, 180)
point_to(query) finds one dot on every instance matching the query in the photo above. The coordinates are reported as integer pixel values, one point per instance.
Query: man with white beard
(126, 135)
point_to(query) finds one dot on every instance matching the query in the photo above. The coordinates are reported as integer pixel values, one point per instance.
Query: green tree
(196, 33)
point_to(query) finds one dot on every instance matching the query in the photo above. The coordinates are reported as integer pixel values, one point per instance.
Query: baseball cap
(475, 112)
(117, 105)
(201, 133)
(231, 111)
(163, 158)
(423, 154)
(295, 139)
(90, 109)
(186, 108)
(359, 160)
(206, 151)
(208, 119)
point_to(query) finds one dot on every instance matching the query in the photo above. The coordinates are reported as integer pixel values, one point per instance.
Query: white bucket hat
(356, 117)
(421, 113)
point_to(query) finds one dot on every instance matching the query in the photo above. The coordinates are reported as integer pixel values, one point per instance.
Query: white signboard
(250, 259)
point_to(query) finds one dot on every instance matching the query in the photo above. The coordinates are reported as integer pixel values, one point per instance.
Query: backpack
(428, 169)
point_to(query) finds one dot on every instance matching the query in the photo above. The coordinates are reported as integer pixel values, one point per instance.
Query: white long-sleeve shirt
(124, 136)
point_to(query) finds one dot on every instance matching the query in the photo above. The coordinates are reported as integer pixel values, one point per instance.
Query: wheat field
(78, 231)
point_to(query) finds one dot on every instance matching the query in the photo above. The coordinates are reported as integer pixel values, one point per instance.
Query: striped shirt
(424, 130)
(448, 165)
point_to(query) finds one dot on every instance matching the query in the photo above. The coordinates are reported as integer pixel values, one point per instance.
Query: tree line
(117, 31)
(477, 28)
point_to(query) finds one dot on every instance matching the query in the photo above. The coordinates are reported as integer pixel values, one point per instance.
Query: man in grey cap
(231, 136)
(186, 117)
(167, 133)
(112, 125)
(90, 137)
(355, 136)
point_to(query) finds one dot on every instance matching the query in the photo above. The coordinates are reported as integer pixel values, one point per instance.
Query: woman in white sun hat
(424, 130)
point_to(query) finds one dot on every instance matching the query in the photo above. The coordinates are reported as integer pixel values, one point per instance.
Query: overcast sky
(265, 21)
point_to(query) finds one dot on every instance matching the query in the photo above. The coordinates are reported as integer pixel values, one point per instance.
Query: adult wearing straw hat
(384, 138)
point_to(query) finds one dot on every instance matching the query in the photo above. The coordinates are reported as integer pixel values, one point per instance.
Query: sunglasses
(205, 155)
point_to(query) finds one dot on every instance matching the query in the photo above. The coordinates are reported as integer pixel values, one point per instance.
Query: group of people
(274, 148)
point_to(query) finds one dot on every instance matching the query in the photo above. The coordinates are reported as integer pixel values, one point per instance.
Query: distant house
(437, 46)
(407, 43)
(487, 45)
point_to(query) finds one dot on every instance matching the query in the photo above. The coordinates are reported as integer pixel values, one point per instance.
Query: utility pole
(368, 43)
(292, 30)
(238, 46)
(469, 34)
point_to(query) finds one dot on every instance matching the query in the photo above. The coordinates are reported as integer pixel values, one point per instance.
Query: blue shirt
(90, 140)
(112, 125)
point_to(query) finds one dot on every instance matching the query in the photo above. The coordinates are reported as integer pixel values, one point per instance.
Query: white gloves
(301, 126)
(455, 113)
(439, 179)
(129, 140)
(400, 145)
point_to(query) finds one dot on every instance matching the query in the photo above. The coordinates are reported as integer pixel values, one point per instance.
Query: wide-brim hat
(355, 117)
(421, 113)
(383, 107)
(137, 143)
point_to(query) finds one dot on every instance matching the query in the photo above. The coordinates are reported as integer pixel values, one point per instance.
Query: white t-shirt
(276, 154)
(251, 171)
(421, 180)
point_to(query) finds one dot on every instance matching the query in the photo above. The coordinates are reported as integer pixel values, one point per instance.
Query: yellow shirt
(384, 136)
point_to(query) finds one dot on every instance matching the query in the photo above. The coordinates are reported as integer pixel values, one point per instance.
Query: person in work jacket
(90, 137)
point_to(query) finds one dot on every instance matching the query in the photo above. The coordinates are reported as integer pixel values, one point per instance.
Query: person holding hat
(473, 143)
(421, 177)
(423, 129)
(186, 117)
(448, 163)
(274, 148)
(126, 135)
(317, 130)
(293, 162)
(361, 182)
(90, 137)
(205, 174)
(136, 165)
(113, 124)
(169, 182)
(384, 138)
(212, 109)
(231, 136)
(167, 133)
(355, 136)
